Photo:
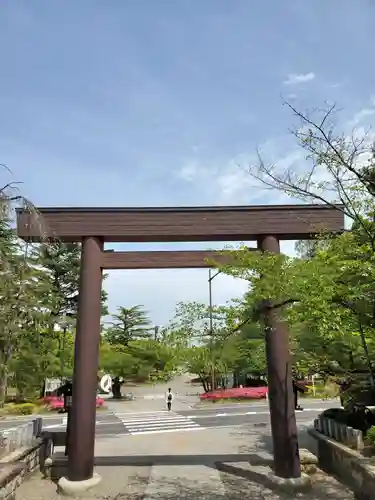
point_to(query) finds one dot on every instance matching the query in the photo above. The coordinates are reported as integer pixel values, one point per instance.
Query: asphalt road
(155, 422)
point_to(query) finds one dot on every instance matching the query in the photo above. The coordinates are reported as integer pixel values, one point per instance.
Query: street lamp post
(210, 278)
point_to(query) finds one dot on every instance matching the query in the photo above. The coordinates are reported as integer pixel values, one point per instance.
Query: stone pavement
(209, 464)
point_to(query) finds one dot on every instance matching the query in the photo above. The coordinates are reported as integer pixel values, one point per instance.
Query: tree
(22, 289)
(62, 263)
(116, 360)
(39, 356)
(128, 324)
(326, 300)
(340, 168)
(140, 360)
(38, 284)
(306, 249)
(227, 349)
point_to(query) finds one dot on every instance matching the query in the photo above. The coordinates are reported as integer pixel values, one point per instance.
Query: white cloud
(361, 116)
(160, 290)
(188, 172)
(229, 182)
(226, 182)
(295, 78)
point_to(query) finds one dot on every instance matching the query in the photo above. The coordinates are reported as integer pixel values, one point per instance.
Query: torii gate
(94, 226)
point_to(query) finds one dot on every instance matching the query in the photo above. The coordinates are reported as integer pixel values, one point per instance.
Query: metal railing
(340, 432)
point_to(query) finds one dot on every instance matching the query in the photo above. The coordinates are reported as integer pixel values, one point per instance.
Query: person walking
(297, 387)
(66, 391)
(169, 398)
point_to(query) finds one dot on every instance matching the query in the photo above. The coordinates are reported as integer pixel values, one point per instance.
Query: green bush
(21, 409)
(358, 390)
(370, 436)
(361, 418)
(322, 390)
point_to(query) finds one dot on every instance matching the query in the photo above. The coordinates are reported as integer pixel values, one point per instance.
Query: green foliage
(370, 436)
(61, 262)
(327, 300)
(21, 409)
(234, 346)
(140, 360)
(114, 359)
(326, 294)
(128, 324)
(23, 287)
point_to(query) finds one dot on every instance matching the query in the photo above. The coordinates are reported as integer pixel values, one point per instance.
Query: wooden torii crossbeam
(166, 259)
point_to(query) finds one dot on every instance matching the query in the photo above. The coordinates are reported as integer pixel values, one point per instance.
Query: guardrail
(340, 432)
(19, 437)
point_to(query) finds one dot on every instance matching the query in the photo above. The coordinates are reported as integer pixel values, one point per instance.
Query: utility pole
(210, 278)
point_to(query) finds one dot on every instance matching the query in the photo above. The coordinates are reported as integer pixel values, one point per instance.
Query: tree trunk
(20, 396)
(204, 383)
(5, 356)
(43, 389)
(3, 385)
(351, 360)
(367, 355)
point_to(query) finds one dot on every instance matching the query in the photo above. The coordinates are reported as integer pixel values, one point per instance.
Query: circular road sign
(106, 383)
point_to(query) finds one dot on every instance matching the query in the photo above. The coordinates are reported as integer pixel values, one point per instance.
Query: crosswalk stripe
(162, 431)
(161, 426)
(140, 420)
(157, 422)
(142, 412)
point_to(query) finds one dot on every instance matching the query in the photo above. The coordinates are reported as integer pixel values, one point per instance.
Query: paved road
(160, 421)
(217, 464)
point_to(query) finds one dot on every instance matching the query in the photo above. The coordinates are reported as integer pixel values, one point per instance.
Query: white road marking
(140, 412)
(161, 425)
(113, 422)
(164, 419)
(237, 414)
(162, 431)
(155, 422)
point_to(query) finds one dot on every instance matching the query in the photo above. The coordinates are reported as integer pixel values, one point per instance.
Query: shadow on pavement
(152, 460)
(244, 474)
(221, 463)
(304, 441)
(240, 473)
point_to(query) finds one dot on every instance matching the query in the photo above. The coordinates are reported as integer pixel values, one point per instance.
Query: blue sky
(155, 102)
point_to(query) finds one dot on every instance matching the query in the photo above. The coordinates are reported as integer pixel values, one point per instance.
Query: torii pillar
(86, 354)
(280, 390)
